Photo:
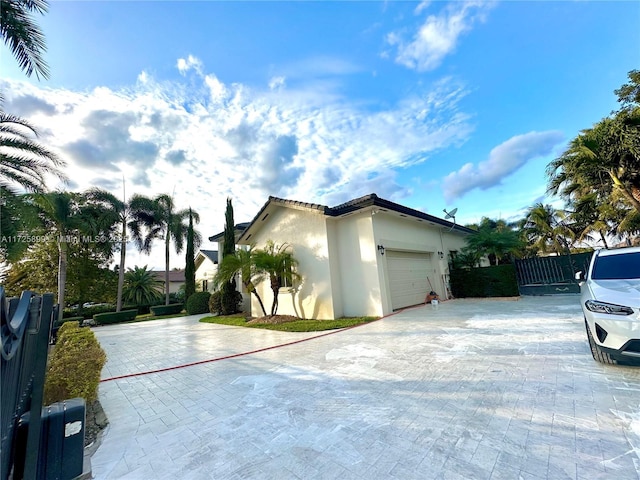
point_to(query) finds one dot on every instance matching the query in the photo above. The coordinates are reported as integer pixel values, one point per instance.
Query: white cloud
(186, 64)
(422, 6)
(277, 83)
(438, 36)
(210, 140)
(504, 160)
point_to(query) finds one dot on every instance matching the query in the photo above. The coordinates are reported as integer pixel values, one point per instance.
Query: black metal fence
(549, 275)
(25, 325)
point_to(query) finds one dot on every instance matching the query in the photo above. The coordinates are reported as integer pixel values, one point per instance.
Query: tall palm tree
(278, 262)
(24, 162)
(601, 159)
(545, 229)
(243, 262)
(23, 36)
(132, 216)
(160, 219)
(496, 239)
(59, 212)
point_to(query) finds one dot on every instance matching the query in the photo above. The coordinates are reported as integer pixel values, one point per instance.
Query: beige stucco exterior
(205, 271)
(343, 272)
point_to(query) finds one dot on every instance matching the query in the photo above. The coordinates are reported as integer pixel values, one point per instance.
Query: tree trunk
(635, 201)
(275, 287)
(62, 273)
(603, 239)
(252, 289)
(123, 254)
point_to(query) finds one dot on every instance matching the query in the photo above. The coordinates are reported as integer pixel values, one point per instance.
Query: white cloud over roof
(504, 160)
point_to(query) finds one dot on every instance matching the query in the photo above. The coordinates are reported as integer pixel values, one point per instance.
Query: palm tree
(496, 239)
(23, 162)
(160, 219)
(244, 263)
(601, 159)
(130, 217)
(59, 212)
(279, 263)
(545, 229)
(141, 286)
(23, 36)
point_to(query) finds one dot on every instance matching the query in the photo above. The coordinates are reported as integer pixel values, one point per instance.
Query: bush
(122, 316)
(88, 312)
(215, 302)
(231, 302)
(71, 319)
(496, 281)
(166, 309)
(198, 303)
(74, 366)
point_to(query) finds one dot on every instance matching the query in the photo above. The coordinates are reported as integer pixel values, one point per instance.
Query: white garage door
(408, 274)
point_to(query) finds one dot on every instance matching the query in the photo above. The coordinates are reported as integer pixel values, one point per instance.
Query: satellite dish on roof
(451, 214)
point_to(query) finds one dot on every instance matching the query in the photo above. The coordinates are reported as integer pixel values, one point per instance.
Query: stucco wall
(206, 271)
(306, 232)
(357, 252)
(410, 235)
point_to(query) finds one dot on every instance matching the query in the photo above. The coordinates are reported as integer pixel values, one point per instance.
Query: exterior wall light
(441, 255)
(381, 249)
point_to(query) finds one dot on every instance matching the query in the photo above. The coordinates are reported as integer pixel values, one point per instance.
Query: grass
(301, 325)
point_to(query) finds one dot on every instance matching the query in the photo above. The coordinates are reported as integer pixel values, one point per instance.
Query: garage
(409, 275)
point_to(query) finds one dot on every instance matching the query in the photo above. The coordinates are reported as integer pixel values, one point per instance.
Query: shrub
(496, 281)
(74, 366)
(166, 309)
(71, 319)
(231, 302)
(88, 312)
(198, 303)
(122, 316)
(215, 302)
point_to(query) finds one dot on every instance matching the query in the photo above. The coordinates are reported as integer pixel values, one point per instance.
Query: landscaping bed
(288, 323)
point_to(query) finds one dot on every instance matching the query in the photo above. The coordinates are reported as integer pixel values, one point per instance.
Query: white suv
(610, 298)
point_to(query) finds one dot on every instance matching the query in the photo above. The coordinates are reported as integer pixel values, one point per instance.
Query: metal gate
(24, 333)
(551, 275)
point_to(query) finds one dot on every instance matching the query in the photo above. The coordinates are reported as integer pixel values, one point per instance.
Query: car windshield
(617, 267)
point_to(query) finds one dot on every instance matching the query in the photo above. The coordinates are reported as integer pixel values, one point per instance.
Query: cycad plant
(141, 287)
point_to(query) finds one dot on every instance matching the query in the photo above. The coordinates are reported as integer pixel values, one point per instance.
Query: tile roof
(174, 275)
(211, 255)
(239, 228)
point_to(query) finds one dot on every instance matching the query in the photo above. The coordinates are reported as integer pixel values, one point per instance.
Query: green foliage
(190, 266)
(75, 365)
(278, 262)
(215, 302)
(172, 308)
(496, 281)
(198, 303)
(228, 288)
(497, 240)
(141, 287)
(71, 319)
(115, 317)
(244, 263)
(300, 325)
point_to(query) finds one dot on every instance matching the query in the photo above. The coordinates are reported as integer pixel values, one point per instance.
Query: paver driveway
(470, 389)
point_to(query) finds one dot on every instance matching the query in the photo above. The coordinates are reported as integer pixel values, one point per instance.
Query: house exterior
(206, 263)
(176, 279)
(368, 256)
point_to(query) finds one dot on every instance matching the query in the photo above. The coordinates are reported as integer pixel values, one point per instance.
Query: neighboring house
(368, 256)
(219, 239)
(206, 262)
(176, 279)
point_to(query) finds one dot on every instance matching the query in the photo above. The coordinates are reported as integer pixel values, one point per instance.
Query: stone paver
(482, 389)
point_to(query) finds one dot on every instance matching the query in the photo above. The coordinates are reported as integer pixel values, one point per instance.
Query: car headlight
(611, 309)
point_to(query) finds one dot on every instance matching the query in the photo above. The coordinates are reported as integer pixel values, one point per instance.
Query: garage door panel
(409, 275)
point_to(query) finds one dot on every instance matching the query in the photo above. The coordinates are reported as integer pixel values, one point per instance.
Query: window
(616, 267)
(286, 280)
(205, 285)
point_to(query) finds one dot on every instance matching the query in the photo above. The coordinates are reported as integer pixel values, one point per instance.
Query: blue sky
(433, 105)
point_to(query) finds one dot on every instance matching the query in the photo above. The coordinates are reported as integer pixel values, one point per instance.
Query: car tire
(598, 355)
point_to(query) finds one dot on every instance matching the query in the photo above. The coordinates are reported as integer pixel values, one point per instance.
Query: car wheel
(598, 355)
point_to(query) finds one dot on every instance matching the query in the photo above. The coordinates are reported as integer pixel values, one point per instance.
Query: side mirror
(579, 275)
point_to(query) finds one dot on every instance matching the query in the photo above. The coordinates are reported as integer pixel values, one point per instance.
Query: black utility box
(61, 441)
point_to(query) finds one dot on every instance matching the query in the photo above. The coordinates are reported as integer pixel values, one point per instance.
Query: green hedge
(496, 281)
(122, 316)
(71, 319)
(166, 309)
(88, 312)
(75, 365)
(198, 303)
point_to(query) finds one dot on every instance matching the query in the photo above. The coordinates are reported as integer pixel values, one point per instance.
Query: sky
(433, 105)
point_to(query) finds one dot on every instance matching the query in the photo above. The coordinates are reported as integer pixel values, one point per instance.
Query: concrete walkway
(470, 389)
